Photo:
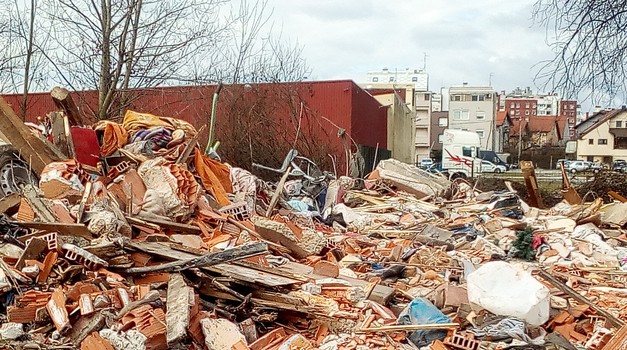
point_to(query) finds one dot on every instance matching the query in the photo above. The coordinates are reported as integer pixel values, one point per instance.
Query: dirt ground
(598, 186)
(550, 191)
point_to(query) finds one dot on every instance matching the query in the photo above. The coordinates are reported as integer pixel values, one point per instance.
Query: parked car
(489, 167)
(425, 163)
(562, 161)
(594, 167)
(581, 166)
(619, 165)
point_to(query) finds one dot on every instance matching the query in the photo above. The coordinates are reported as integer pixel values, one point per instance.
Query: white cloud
(464, 40)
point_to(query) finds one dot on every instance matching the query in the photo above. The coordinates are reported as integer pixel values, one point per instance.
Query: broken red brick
(49, 262)
(326, 268)
(95, 342)
(25, 308)
(57, 311)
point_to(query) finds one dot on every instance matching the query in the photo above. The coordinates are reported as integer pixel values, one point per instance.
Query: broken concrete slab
(177, 317)
(410, 179)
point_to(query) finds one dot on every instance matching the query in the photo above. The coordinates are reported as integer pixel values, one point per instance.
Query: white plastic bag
(506, 290)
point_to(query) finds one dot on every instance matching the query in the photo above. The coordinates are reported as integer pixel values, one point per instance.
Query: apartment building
(524, 104)
(473, 108)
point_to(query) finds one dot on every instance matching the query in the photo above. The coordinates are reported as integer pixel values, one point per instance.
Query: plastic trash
(506, 290)
(422, 311)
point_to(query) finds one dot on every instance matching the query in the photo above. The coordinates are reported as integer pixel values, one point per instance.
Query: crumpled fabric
(141, 147)
(507, 328)
(244, 184)
(134, 121)
(115, 137)
(215, 177)
(158, 134)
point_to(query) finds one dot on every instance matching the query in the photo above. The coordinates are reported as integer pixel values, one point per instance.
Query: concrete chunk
(177, 316)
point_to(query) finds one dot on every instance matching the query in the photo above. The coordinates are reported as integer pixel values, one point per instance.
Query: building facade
(418, 98)
(524, 104)
(416, 77)
(473, 108)
(603, 137)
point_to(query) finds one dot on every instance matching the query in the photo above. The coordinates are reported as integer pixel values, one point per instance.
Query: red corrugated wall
(324, 106)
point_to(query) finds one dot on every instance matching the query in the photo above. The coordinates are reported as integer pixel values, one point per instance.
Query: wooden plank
(380, 294)
(32, 149)
(58, 134)
(190, 146)
(62, 228)
(278, 191)
(529, 172)
(174, 226)
(241, 273)
(617, 196)
(611, 319)
(618, 341)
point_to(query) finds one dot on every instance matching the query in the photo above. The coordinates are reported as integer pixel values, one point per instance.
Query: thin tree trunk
(105, 64)
(29, 56)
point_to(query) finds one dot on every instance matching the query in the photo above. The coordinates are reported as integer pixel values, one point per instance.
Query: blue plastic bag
(422, 311)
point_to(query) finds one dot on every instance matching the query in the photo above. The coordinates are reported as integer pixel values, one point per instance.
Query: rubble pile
(603, 184)
(162, 246)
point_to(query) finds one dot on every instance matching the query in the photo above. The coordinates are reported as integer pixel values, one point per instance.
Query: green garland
(523, 244)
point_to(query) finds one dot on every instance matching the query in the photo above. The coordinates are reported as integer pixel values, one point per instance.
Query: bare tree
(115, 46)
(254, 50)
(590, 45)
(22, 38)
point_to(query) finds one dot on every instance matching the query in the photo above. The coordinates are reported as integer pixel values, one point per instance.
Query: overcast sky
(464, 40)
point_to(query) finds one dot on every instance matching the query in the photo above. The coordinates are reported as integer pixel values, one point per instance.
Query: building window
(572, 106)
(517, 112)
(414, 79)
(619, 123)
(480, 133)
(391, 79)
(443, 121)
(441, 138)
(461, 115)
(620, 143)
(456, 98)
(533, 112)
(426, 97)
(478, 98)
(375, 79)
(526, 112)
(480, 115)
(526, 105)
(591, 141)
(602, 141)
(571, 121)
(535, 105)
(512, 105)
(518, 105)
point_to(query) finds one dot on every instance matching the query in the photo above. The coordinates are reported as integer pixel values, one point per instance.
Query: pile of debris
(159, 245)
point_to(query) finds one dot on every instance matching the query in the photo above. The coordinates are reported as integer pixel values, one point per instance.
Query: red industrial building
(322, 119)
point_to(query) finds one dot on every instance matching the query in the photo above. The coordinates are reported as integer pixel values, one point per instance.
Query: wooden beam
(529, 172)
(278, 191)
(63, 100)
(210, 259)
(32, 149)
(611, 319)
(62, 228)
